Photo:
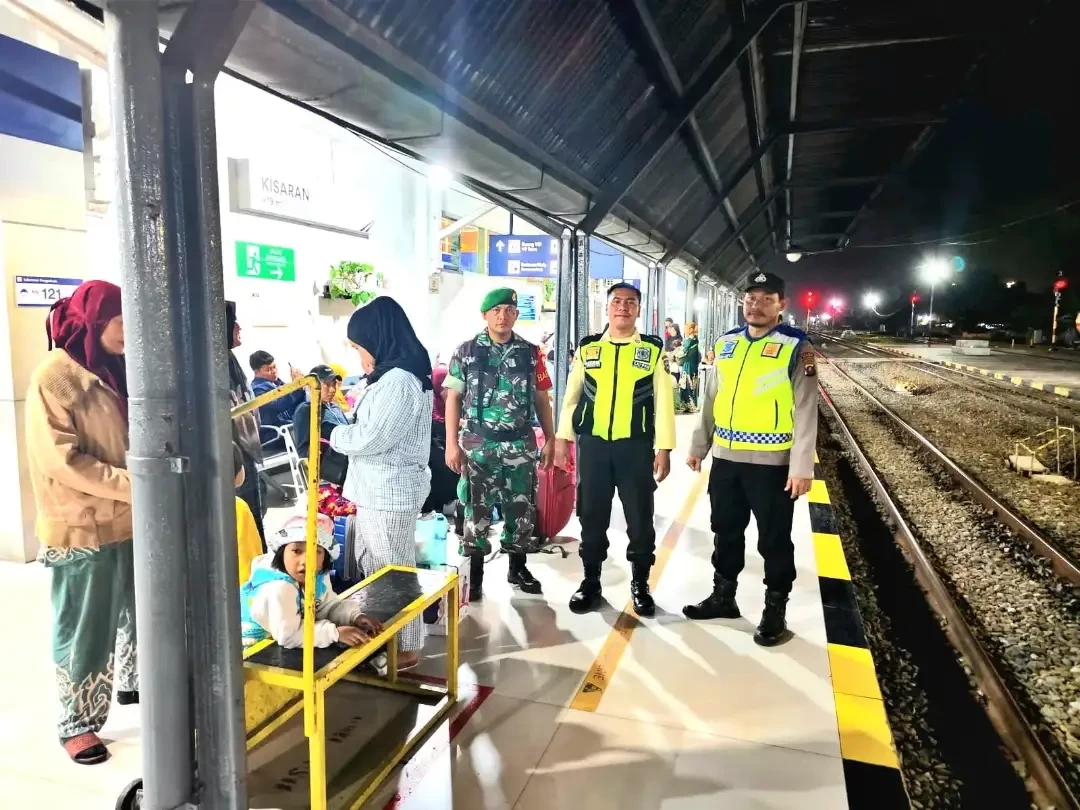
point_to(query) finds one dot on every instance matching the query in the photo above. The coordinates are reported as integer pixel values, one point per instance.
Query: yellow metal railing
(311, 568)
(276, 711)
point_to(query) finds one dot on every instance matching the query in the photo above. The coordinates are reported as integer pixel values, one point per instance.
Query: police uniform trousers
(735, 491)
(625, 465)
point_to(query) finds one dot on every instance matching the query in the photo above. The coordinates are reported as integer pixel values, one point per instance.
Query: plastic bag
(431, 533)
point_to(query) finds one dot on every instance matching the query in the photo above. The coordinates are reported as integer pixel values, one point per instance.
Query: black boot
(639, 591)
(127, 698)
(772, 629)
(520, 576)
(476, 578)
(588, 596)
(720, 604)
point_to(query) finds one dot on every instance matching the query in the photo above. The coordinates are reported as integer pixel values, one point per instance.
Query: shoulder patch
(733, 331)
(654, 340)
(585, 341)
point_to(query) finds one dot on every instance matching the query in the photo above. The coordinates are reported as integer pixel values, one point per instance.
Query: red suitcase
(555, 497)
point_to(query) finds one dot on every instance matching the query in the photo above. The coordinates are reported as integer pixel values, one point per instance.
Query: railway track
(1001, 389)
(1016, 701)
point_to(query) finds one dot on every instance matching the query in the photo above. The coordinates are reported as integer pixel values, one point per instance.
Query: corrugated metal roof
(557, 103)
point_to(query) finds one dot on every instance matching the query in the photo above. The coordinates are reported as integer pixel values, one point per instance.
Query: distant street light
(825, 317)
(793, 257)
(1010, 284)
(933, 270)
(871, 300)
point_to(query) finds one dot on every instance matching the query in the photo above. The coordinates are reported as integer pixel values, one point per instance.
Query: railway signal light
(1060, 284)
(915, 298)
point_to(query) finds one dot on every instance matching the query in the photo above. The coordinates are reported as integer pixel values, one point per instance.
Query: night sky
(1008, 152)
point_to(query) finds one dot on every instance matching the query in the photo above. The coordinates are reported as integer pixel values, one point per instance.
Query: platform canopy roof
(711, 134)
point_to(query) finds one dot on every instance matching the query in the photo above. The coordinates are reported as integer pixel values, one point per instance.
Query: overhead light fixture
(933, 270)
(699, 303)
(871, 300)
(794, 257)
(439, 177)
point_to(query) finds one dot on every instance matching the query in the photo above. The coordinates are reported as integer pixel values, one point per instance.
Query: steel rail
(1045, 779)
(1062, 563)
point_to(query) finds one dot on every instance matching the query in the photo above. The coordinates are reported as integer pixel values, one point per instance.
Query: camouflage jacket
(505, 383)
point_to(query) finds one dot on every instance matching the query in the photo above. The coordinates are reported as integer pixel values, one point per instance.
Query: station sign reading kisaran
(523, 256)
(305, 197)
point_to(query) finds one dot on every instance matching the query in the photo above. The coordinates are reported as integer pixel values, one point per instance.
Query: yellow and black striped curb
(1021, 382)
(871, 767)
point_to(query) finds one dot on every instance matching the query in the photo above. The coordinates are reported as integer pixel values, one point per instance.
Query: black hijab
(237, 378)
(383, 328)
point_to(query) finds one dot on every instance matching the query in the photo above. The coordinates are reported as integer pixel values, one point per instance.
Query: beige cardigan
(76, 446)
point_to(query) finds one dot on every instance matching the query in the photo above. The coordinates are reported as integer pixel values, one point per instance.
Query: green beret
(498, 297)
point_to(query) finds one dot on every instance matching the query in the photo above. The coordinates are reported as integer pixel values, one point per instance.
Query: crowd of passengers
(383, 459)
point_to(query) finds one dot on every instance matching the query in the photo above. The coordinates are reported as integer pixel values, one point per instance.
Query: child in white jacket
(272, 600)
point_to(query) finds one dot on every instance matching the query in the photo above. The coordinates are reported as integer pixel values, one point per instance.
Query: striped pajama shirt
(388, 479)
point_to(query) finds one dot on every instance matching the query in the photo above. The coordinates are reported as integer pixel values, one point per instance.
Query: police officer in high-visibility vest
(759, 416)
(620, 403)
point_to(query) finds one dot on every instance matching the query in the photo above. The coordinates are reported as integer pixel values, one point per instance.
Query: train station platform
(558, 711)
(1026, 368)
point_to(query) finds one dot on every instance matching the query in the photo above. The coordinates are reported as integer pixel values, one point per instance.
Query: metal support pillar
(563, 310)
(661, 298)
(191, 63)
(581, 286)
(149, 283)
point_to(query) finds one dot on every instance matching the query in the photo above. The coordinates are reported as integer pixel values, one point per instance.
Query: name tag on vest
(643, 357)
(771, 349)
(592, 357)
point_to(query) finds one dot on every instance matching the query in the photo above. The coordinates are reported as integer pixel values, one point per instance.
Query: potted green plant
(353, 281)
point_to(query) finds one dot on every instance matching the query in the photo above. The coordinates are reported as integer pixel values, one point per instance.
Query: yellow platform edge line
(818, 492)
(829, 556)
(864, 731)
(598, 678)
(861, 721)
(853, 671)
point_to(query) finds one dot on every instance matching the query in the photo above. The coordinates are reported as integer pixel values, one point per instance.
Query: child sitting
(248, 542)
(272, 601)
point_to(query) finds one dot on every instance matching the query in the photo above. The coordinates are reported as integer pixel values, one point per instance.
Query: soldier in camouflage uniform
(497, 382)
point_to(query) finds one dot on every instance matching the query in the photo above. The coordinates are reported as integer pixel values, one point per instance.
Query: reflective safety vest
(754, 407)
(617, 398)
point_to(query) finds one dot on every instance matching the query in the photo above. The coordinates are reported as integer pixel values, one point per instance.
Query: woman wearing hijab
(76, 446)
(388, 445)
(246, 428)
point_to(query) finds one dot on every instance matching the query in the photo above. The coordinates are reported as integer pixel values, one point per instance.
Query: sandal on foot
(85, 749)
(408, 663)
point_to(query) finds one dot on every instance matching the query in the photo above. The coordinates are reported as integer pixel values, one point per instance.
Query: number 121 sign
(43, 291)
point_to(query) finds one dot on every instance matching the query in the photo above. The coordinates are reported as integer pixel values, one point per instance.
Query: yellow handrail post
(310, 553)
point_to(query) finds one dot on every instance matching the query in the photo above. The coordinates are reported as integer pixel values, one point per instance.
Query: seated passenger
(332, 465)
(272, 600)
(278, 413)
(248, 540)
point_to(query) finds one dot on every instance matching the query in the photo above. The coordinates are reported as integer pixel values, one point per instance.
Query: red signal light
(915, 299)
(1060, 285)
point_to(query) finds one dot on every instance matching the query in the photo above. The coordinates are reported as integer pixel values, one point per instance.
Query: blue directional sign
(523, 256)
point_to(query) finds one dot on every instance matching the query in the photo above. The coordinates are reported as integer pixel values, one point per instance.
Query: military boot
(720, 604)
(588, 597)
(772, 629)
(520, 576)
(476, 578)
(639, 591)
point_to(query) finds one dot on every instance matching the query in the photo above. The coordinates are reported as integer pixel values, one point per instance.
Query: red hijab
(75, 325)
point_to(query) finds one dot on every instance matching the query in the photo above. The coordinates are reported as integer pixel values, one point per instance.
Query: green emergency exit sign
(265, 261)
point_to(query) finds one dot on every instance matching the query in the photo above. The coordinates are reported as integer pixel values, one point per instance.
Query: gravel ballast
(1026, 618)
(979, 432)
